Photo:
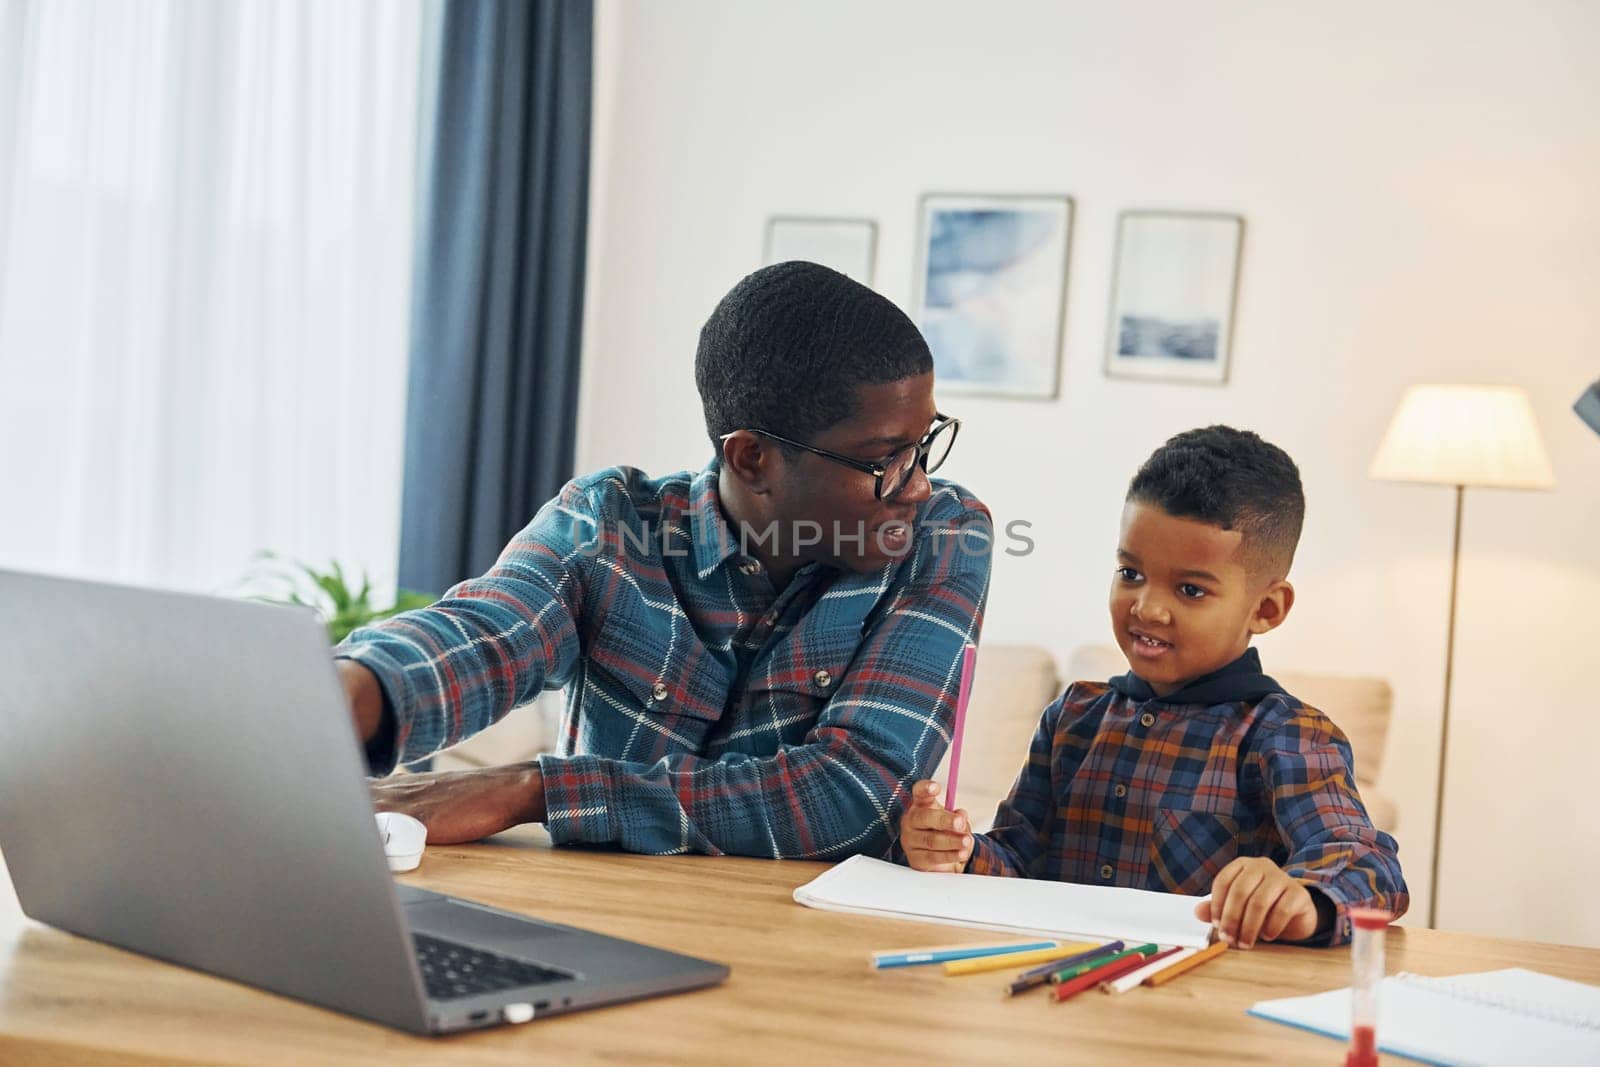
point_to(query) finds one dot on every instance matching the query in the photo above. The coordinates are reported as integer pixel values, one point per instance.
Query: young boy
(1194, 772)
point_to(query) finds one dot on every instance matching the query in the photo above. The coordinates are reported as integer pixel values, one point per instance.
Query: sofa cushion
(1011, 687)
(1361, 707)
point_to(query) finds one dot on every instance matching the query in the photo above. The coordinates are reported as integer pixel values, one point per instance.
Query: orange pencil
(1211, 952)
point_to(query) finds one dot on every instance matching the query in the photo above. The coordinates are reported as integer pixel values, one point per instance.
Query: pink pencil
(969, 658)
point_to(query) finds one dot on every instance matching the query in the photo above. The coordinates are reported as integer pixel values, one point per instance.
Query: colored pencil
(1100, 950)
(969, 659)
(1152, 964)
(916, 957)
(1007, 962)
(1104, 973)
(1038, 976)
(1166, 975)
(1069, 973)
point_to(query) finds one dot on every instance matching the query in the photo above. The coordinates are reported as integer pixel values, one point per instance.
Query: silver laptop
(179, 776)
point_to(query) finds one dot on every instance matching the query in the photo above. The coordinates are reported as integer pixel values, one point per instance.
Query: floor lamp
(1460, 435)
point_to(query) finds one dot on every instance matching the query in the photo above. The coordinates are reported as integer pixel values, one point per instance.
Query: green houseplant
(328, 592)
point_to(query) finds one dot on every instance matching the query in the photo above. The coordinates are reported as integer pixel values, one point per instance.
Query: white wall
(1421, 189)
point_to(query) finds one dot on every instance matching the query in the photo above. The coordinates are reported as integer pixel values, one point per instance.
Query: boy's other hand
(1252, 899)
(935, 839)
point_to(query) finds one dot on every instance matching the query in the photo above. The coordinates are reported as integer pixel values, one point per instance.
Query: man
(759, 658)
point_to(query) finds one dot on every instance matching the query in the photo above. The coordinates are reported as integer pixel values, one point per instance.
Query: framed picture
(1172, 296)
(990, 289)
(849, 246)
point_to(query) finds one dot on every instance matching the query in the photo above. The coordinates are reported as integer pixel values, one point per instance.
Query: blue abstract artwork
(990, 291)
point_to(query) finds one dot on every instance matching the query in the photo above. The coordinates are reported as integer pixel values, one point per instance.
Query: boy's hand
(1252, 898)
(934, 839)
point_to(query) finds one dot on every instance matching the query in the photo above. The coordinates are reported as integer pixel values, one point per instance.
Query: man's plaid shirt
(705, 711)
(1125, 788)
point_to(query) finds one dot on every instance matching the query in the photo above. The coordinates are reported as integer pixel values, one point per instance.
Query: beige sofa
(1014, 683)
(525, 732)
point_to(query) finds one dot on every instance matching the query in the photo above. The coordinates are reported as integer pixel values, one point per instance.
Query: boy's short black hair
(786, 350)
(1232, 479)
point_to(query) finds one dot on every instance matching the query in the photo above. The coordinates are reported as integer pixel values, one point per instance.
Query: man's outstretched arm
(430, 678)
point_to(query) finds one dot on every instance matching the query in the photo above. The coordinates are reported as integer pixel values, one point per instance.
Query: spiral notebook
(1063, 910)
(1513, 1016)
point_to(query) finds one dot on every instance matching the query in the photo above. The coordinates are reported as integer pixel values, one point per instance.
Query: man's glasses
(893, 473)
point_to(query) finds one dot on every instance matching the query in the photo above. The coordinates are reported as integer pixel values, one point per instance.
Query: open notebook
(1015, 905)
(1510, 1016)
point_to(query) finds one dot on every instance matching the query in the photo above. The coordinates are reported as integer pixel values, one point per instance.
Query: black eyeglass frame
(878, 470)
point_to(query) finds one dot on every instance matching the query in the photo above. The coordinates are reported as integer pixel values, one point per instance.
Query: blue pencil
(882, 960)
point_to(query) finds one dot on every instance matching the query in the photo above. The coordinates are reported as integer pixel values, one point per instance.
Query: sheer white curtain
(205, 263)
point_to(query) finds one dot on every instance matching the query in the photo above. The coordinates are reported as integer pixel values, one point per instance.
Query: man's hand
(934, 839)
(460, 806)
(1252, 898)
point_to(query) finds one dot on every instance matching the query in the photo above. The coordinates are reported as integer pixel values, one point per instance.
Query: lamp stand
(1444, 722)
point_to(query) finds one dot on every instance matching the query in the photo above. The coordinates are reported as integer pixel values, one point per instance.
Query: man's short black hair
(1232, 479)
(787, 349)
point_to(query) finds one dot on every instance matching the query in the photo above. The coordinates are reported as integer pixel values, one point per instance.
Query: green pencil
(1069, 973)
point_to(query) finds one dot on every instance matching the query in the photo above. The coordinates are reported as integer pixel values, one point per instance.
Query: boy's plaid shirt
(705, 713)
(1123, 788)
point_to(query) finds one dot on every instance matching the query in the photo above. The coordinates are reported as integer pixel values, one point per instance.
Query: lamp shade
(1481, 435)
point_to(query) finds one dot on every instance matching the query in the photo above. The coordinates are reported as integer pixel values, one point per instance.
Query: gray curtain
(498, 292)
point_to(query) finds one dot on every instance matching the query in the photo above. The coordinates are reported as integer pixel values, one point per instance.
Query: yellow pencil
(1012, 960)
(1211, 952)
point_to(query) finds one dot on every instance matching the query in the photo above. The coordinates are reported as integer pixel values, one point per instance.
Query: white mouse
(403, 839)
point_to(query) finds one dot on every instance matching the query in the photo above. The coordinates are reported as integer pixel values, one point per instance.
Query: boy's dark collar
(1240, 680)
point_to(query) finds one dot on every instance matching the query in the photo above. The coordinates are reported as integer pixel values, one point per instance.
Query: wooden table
(800, 990)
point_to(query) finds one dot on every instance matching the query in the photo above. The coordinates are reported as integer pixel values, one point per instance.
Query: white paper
(1063, 910)
(1513, 1016)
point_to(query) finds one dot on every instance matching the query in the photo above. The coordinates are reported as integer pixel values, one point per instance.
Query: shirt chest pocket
(1189, 848)
(642, 699)
(781, 704)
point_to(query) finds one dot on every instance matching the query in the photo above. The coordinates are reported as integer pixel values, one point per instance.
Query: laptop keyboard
(451, 970)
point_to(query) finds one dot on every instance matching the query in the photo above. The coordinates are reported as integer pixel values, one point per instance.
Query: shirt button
(1147, 720)
(660, 691)
(823, 679)
(1120, 791)
(1105, 870)
(750, 567)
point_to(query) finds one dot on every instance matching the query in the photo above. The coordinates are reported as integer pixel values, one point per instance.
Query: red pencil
(1100, 974)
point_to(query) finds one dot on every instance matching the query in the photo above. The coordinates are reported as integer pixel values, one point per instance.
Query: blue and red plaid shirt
(706, 711)
(1126, 788)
